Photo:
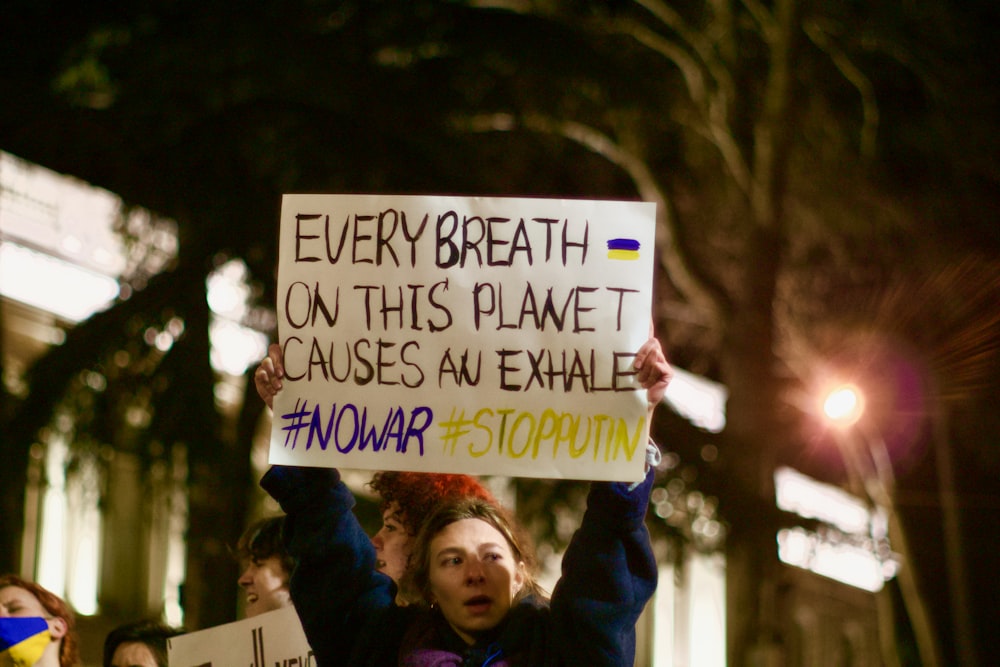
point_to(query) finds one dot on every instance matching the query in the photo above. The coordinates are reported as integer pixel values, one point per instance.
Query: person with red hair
(406, 500)
(20, 598)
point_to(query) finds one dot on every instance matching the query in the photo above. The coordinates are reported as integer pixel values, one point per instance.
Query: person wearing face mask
(39, 628)
(476, 602)
(267, 566)
(140, 643)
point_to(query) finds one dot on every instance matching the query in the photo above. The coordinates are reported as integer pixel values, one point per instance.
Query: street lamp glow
(843, 405)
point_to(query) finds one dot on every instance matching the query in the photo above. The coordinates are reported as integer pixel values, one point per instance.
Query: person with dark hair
(267, 566)
(56, 644)
(476, 602)
(140, 643)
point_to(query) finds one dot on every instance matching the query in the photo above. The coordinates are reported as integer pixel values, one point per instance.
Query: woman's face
(133, 654)
(17, 602)
(473, 576)
(266, 584)
(392, 543)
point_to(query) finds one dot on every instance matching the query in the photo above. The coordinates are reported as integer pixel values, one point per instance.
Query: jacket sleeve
(609, 573)
(334, 587)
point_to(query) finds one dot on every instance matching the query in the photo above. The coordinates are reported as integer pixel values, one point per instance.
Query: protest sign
(484, 335)
(272, 639)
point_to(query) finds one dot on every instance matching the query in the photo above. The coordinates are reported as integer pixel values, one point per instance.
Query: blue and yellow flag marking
(627, 249)
(23, 640)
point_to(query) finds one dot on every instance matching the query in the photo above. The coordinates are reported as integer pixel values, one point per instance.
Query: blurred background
(827, 285)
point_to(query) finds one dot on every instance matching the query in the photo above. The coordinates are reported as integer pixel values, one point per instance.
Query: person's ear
(58, 627)
(520, 577)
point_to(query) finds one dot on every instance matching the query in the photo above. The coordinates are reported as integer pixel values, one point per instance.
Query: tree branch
(680, 273)
(869, 104)
(713, 105)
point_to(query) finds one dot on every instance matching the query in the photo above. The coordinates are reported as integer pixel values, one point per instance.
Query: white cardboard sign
(483, 335)
(272, 639)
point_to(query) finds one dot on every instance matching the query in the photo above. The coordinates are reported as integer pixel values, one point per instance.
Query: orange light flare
(842, 405)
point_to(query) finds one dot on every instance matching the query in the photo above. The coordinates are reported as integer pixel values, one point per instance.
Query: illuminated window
(851, 546)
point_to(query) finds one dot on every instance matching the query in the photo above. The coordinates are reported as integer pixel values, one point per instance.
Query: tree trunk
(216, 500)
(752, 435)
(750, 365)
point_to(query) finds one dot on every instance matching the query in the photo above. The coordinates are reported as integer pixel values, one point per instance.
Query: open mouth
(478, 604)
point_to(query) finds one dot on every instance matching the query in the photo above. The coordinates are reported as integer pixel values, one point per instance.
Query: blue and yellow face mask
(23, 640)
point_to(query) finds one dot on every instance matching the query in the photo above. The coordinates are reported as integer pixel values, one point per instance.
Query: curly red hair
(419, 493)
(69, 650)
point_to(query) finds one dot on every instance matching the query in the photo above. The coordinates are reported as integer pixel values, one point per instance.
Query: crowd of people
(448, 579)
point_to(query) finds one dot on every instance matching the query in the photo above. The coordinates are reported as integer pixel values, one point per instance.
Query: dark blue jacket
(350, 617)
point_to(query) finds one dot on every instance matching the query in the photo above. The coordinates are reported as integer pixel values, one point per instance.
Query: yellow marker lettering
(477, 422)
(519, 434)
(523, 417)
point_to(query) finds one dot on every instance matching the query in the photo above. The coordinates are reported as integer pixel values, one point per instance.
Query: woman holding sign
(479, 603)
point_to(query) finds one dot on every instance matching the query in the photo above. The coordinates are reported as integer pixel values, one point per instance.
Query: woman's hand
(652, 370)
(267, 377)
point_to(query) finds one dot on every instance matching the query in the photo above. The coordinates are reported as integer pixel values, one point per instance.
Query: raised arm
(609, 571)
(335, 588)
